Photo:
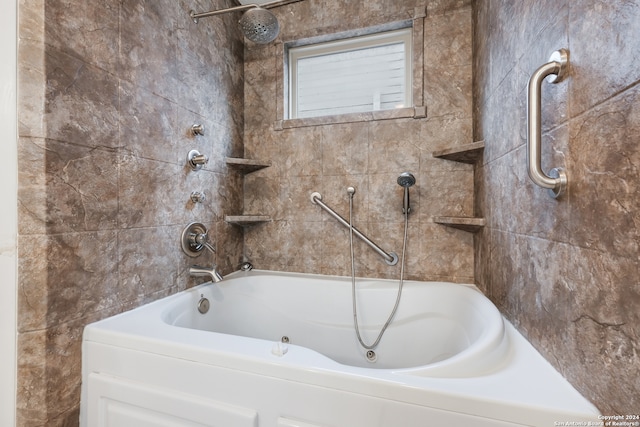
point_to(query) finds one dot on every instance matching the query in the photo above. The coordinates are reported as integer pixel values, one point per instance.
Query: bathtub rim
(489, 344)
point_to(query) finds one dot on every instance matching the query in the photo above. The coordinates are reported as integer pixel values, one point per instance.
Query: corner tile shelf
(464, 153)
(246, 166)
(472, 225)
(246, 220)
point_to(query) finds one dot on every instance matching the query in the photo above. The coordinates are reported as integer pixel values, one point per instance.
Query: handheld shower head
(406, 180)
(259, 25)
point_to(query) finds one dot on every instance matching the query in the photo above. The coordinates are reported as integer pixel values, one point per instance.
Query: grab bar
(390, 258)
(557, 66)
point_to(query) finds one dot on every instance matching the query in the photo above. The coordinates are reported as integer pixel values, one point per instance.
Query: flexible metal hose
(353, 280)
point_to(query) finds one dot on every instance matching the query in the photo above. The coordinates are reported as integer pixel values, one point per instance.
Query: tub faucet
(197, 271)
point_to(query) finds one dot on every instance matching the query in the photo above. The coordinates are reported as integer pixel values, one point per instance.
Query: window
(355, 75)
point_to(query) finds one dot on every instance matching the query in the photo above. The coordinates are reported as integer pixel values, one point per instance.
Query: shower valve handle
(196, 160)
(198, 240)
(197, 130)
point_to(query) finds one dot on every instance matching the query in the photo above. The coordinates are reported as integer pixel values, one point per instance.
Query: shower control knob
(197, 197)
(197, 130)
(196, 160)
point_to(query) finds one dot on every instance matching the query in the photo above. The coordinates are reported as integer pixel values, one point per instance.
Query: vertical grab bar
(557, 66)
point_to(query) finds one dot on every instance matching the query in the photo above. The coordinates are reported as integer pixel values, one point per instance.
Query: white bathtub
(447, 359)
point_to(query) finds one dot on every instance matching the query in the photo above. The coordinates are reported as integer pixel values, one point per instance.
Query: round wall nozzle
(406, 180)
(259, 25)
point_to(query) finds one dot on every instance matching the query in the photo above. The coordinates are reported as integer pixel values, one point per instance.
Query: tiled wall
(108, 92)
(565, 272)
(362, 152)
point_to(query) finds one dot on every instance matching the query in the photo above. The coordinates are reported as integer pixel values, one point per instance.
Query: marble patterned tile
(505, 119)
(445, 253)
(32, 379)
(306, 246)
(142, 268)
(265, 196)
(346, 147)
(90, 33)
(147, 191)
(78, 193)
(32, 83)
(439, 133)
(81, 102)
(229, 247)
(301, 152)
(448, 90)
(56, 376)
(268, 246)
(449, 194)
(439, 7)
(394, 146)
(145, 24)
(148, 125)
(604, 40)
(295, 198)
(604, 157)
(336, 250)
(31, 26)
(66, 276)
(448, 39)
(386, 198)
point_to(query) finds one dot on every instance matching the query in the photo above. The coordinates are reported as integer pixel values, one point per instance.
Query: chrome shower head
(406, 180)
(259, 25)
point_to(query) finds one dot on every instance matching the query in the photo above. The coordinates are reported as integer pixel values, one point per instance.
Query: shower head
(406, 180)
(259, 25)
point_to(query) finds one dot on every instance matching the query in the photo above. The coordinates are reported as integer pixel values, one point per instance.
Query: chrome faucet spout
(212, 273)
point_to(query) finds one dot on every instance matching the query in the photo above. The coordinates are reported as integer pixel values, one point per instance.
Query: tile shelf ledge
(464, 153)
(246, 220)
(246, 166)
(471, 224)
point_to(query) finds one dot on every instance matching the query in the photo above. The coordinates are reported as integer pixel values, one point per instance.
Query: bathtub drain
(284, 339)
(203, 305)
(371, 356)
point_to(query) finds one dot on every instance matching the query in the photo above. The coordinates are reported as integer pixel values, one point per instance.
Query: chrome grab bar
(557, 66)
(390, 258)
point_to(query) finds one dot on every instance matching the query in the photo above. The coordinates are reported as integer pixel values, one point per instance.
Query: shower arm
(195, 16)
(390, 258)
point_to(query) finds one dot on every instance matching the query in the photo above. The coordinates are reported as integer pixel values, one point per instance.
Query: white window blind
(355, 75)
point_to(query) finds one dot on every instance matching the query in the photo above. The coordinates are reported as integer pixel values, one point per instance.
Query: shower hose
(353, 280)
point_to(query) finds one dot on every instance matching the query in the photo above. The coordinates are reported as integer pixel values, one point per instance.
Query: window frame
(402, 35)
